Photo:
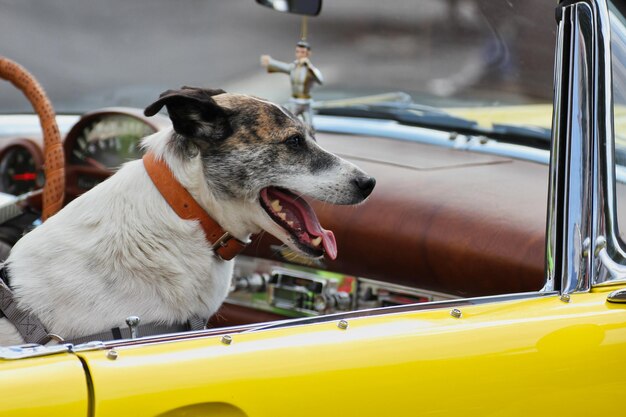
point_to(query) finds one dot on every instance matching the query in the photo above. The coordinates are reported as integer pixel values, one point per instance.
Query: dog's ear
(193, 112)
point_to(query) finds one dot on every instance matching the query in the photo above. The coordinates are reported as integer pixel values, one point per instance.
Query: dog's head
(258, 152)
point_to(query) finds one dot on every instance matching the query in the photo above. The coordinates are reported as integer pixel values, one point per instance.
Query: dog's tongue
(311, 223)
(314, 228)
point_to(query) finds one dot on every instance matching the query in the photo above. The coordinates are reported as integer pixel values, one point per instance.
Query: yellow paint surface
(45, 386)
(518, 358)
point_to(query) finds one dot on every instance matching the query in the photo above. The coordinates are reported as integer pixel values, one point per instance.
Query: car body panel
(508, 358)
(43, 386)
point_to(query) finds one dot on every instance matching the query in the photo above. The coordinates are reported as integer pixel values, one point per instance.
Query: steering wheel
(54, 158)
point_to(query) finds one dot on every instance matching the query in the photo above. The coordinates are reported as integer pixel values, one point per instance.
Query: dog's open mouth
(296, 217)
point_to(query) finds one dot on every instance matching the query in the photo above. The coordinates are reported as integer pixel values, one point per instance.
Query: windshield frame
(584, 249)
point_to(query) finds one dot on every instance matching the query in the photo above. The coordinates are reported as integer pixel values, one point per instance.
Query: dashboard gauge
(101, 141)
(19, 173)
(108, 140)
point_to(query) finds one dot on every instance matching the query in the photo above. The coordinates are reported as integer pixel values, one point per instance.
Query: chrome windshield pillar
(581, 199)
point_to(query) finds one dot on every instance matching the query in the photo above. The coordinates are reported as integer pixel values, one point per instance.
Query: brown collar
(223, 243)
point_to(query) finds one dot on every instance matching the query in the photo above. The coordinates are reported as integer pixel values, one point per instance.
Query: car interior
(449, 222)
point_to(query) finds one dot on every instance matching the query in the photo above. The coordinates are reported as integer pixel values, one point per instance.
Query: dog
(121, 250)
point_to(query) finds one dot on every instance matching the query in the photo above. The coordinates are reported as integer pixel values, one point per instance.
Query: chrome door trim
(609, 253)
(583, 246)
(570, 192)
(610, 262)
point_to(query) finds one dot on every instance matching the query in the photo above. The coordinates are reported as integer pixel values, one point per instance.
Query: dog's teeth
(290, 223)
(276, 206)
(282, 215)
(317, 241)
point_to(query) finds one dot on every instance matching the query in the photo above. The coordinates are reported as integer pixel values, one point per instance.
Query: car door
(511, 358)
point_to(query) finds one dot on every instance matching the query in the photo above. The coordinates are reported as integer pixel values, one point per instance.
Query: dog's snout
(365, 185)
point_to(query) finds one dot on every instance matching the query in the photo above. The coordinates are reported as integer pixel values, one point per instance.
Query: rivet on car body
(456, 313)
(565, 298)
(343, 325)
(112, 354)
(227, 339)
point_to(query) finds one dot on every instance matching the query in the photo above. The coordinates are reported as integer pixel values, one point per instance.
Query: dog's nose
(365, 185)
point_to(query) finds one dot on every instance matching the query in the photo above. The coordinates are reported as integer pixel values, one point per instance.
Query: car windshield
(455, 55)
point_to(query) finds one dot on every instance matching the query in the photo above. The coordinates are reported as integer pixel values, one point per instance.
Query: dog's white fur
(102, 258)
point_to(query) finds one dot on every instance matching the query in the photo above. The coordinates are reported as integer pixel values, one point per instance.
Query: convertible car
(485, 275)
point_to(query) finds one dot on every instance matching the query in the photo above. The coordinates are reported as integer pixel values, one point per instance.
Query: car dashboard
(94, 147)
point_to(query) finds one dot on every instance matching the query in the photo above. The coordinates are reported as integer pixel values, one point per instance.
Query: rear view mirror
(305, 7)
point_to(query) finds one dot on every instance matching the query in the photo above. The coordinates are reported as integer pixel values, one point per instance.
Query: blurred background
(96, 53)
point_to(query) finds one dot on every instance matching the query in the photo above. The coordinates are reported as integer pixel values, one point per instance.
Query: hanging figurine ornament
(302, 73)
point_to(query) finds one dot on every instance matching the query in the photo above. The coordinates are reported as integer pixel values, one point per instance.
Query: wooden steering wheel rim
(54, 158)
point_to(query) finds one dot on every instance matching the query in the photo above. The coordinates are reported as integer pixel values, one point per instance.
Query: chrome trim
(579, 190)
(89, 346)
(320, 319)
(611, 260)
(570, 192)
(617, 296)
(616, 272)
(133, 323)
(229, 331)
(32, 350)
(581, 202)
(610, 254)
(394, 130)
(402, 309)
(620, 173)
(551, 223)
(612, 272)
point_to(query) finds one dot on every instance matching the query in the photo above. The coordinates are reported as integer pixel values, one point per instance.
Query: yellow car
(457, 289)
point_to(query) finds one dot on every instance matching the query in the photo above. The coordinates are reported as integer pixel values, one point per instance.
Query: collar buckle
(222, 242)
(227, 246)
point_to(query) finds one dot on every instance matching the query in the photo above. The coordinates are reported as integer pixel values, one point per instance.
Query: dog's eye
(295, 141)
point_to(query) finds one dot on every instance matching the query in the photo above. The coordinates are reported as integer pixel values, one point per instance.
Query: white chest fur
(116, 251)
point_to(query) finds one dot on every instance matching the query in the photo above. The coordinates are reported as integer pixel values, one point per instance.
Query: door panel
(514, 358)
